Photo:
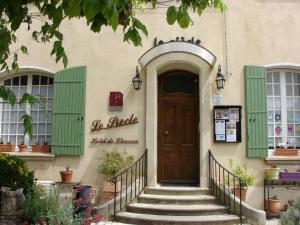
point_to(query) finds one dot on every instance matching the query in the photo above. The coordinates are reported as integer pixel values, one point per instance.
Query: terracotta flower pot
(22, 148)
(109, 187)
(236, 192)
(7, 148)
(66, 176)
(273, 205)
(41, 148)
(286, 152)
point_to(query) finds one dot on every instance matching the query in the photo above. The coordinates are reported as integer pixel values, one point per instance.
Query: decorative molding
(26, 69)
(283, 66)
(184, 46)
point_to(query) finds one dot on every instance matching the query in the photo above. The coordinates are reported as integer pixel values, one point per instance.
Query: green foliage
(113, 13)
(114, 162)
(241, 171)
(292, 215)
(14, 173)
(44, 208)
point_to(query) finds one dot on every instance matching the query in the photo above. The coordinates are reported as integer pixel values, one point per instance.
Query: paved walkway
(273, 222)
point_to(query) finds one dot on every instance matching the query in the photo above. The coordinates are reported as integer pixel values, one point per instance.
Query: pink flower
(87, 221)
(97, 218)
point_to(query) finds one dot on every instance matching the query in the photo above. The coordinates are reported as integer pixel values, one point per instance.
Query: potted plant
(22, 147)
(286, 149)
(44, 148)
(6, 147)
(66, 175)
(247, 179)
(111, 164)
(273, 204)
(272, 173)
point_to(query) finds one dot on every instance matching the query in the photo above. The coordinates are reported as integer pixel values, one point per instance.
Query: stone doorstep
(177, 190)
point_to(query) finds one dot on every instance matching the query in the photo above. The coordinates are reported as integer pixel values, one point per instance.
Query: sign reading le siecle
(113, 122)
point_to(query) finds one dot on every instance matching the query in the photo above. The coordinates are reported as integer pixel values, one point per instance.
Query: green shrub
(292, 215)
(14, 173)
(44, 208)
(114, 162)
(241, 171)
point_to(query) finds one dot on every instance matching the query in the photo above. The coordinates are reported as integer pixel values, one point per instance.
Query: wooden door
(178, 119)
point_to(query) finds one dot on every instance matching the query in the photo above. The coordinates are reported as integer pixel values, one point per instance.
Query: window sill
(33, 156)
(282, 159)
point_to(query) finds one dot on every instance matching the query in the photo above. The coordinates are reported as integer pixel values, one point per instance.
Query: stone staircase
(177, 205)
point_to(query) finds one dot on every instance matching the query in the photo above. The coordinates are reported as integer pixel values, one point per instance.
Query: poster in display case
(227, 123)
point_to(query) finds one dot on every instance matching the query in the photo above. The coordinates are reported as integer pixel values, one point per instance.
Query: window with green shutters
(68, 112)
(256, 111)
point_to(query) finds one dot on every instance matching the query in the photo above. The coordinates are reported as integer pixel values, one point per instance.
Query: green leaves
(183, 18)
(171, 15)
(27, 123)
(91, 8)
(8, 95)
(59, 51)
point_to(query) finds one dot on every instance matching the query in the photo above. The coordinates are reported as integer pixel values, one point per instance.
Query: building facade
(254, 42)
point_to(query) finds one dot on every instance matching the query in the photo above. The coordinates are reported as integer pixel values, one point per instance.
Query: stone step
(150, 219)
(177, 191)
(177, 199)
(180, 210)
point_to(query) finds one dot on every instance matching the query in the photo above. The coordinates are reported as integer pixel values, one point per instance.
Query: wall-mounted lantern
(136, 80)
(220, 80)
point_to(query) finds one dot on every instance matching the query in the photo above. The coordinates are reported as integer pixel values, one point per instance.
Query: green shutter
(256, 111)
(68, 111)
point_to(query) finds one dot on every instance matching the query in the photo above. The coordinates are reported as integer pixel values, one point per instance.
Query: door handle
(166, 132)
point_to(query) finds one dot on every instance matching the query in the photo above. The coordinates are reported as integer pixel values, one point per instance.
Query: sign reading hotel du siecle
(115, 121)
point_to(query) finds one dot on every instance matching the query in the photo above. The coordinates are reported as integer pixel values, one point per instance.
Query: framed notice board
(227, 123)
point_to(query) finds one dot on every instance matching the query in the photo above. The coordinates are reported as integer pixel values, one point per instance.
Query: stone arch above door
(150, 70)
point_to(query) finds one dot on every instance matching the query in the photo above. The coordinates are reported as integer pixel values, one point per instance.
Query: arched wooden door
(178, 120)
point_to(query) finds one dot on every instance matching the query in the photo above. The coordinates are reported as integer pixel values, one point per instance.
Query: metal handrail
(137, 172)
(220, 177)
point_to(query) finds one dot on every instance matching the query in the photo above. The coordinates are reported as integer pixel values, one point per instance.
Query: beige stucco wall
(257, 32)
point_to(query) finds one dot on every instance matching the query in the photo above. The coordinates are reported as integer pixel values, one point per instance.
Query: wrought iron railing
(132, 181)
(223, 183)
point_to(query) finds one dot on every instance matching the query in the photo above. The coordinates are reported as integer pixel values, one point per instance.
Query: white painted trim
(24, 69)
(283, 66)
(180, 47)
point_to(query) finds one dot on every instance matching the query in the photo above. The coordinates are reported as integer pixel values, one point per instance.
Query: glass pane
(49, 125)
(291, 141)
(297, 130)
(49, 103)
(270, 116)
(297, 103)
(6, 106)
(35, 90)
(7, 82)
(290, 129)
(296, 90)
(290, 117)
(270, 103)
(34, 115)
(20, 138)
(50, 81)
(34, 128)
(297, 117)
(277, 116)
(297, 78)
(4, 138)
(297, 142)
(34, 140)
(277, 90)
(41, 139)
(50, 91)
(48, 139)
(289, 103)
(20, 128)
(42, 117)
(271, 142)
(44, 80)
(43, 91)
(13, 128)
(276, 77)
(21, 113)
(269, 78)
(5, 116)
(41, 128)
(178, 83)
(15, 81)
(278, 130)
(12, 139)
(24, 81)
(35, 80)
(289, 77)
(269, 89)
(14, 116)
(22, 91)
(5, 128)
(277, 103)
(270, 130)
(15, 90)
(49, 116)
(289, 90)
(278, 141)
